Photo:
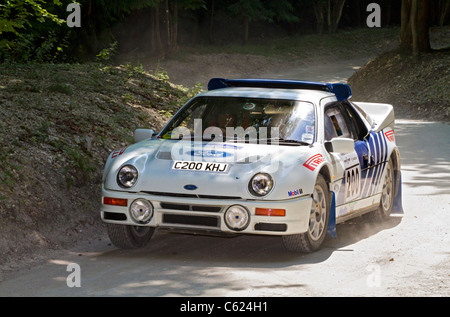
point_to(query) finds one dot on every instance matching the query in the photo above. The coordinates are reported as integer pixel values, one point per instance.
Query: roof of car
(269, 93)
(341, 91)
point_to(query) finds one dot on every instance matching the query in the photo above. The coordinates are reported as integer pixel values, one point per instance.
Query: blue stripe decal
(377, 174)
(382, 162)
(383, 138)
(374, 164)
(372, 149)
(371, 162)
(377, 168)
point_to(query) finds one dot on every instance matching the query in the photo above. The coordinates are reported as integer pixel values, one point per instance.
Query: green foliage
(29, 31)
(106, 54)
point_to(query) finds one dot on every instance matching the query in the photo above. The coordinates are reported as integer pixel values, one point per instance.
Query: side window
(336, 124)
(360, 129)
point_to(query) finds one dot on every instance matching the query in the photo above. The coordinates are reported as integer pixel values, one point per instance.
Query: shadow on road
(247, 250)
(179, 264)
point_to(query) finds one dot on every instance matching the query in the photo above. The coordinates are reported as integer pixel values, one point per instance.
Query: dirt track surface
(408, 255)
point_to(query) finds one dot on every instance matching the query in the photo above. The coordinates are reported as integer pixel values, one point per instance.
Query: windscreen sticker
(249, 106)
(307, 137)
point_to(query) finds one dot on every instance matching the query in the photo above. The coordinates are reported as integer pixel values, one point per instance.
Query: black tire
(387, 194)
(311, 240)
(129, 237)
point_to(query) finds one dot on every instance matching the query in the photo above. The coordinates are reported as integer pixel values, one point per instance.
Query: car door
(372, 151)
(351, 169)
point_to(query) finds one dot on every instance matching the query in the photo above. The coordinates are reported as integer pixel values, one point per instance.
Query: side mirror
(340, 145)
(143, 134)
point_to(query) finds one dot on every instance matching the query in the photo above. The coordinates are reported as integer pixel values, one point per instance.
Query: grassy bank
(418, 90)
(59, 123)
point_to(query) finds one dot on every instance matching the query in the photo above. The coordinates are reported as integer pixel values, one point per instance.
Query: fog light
(141, 211)
(237, 218)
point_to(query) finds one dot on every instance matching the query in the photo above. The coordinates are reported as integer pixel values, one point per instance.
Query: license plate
(200, 166)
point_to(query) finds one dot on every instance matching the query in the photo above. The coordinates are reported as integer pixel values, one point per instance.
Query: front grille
(191, 195)
(191, 220)
(190, 207)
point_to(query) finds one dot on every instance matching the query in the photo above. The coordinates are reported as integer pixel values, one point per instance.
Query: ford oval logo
(190, 187)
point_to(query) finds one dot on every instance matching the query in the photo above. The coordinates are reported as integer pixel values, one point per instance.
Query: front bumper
(207, 214)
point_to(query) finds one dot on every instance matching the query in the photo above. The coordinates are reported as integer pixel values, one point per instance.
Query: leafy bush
(30, 32)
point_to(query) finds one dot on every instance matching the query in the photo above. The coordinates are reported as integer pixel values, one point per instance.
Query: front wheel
(312, 239)
(129, 237)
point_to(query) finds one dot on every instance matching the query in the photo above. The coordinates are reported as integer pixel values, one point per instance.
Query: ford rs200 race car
(256, 156)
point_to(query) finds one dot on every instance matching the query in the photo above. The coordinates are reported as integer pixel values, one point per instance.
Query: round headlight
(127, 176)
(141, 211)
(261, 184)
(237, 218)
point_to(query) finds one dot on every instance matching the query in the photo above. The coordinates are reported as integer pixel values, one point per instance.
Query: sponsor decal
(210, 153)
(309, 129)
(313, 162)
(390, 135)
(295, 192)
(118, 152)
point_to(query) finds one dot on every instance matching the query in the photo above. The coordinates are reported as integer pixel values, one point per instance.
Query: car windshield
(244, 119)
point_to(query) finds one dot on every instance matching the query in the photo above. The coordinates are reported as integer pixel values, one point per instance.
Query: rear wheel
(318, 222)
(387, 193)
(129, 237)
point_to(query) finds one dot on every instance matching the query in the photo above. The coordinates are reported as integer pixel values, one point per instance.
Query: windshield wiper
(293, 141)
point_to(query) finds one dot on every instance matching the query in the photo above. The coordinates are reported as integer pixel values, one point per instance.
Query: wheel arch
(326, 172)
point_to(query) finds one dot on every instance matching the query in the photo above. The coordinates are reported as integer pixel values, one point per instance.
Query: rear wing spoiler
(340, 90)
(379, 115)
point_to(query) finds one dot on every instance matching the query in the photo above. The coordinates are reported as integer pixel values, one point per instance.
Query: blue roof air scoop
(217, 83)
(342, 91)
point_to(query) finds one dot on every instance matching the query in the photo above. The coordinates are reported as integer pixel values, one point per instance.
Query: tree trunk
(158, 42)
(246, 29)
(152, 31)
(169, 43)
(415, 30)
(174, 28)
(445, 10)
(335, 14)
(423, 25)
(319, 8)
(211, 24)
(414, 33)
(405, 30)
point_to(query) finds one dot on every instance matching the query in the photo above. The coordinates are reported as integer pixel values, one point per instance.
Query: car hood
(155, 159)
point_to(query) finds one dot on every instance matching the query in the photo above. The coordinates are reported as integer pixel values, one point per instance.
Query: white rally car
(256, 156)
